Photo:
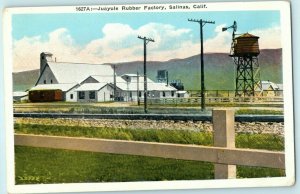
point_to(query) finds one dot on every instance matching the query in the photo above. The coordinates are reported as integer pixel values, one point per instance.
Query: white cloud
(120, 44)
(220, 43)
(268, 38)
(26, 52)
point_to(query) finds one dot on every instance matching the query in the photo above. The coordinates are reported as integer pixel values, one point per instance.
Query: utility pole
(115, 84)
(146, 41)
(138, 88)
(202, 23)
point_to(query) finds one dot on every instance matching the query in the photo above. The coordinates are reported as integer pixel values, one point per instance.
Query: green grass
(258, 172)
(259, 112)
(260, 141)
(43, 165)
(150, 135)
(243, 140)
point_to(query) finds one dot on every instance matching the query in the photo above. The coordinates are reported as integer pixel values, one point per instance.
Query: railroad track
(176, 117)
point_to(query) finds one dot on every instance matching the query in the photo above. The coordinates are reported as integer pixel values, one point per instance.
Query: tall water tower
(245, 51)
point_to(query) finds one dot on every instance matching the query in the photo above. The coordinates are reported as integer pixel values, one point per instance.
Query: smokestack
(44, 58)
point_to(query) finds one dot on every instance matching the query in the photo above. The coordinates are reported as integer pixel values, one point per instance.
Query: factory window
(92, 94)
(44, 81)
(81, 95)
(71, 96)
(164, 94)
(172, 93)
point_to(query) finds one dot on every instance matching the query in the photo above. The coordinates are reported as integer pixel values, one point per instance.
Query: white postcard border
(282, 6)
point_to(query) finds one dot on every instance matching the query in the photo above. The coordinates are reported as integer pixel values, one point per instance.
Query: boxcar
(45, 95)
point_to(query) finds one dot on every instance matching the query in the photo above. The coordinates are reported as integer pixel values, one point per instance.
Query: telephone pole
(202, 23)
(146, 41)
(115, 84)
(138, 88)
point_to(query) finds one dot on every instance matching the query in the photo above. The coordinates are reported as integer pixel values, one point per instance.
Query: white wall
(86, 97)
(152, 94)
(105, 94)
(68, 96)
(168, 94)
(47, 76)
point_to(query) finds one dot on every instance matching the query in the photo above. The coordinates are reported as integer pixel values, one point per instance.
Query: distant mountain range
(219, 70)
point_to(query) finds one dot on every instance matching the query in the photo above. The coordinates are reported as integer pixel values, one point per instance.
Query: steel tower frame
(247, 76)
(247, 71)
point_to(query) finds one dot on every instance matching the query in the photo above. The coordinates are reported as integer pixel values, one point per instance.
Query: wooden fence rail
(223, 153)
(247, 157)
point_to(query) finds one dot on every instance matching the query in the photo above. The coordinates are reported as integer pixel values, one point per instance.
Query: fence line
(223, 154)
(247, 157)
(197, 100)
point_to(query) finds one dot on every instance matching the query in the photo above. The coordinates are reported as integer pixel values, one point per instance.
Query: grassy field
(243, 140)
(42, 165)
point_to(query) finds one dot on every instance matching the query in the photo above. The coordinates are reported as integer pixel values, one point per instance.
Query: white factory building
(81, 82)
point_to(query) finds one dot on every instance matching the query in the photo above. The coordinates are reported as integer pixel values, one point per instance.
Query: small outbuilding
(94, 92)
(51, 92)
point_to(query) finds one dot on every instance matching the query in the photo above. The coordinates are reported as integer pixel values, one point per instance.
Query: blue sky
(86, 27)
(83, 32)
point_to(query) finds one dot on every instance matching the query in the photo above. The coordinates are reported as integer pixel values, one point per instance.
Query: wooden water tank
(246, 45)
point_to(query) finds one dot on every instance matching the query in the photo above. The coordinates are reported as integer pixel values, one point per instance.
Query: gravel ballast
(240, 127)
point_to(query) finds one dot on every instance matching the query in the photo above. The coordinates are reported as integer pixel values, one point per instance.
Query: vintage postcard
(149, 96)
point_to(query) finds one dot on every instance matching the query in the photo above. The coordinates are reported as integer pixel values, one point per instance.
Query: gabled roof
(77, 72)
(107, 79)
(280, 86)
(119, 79)
(129, 75)
(62, 87)
(150, 86)
(267, 85)
(20, 94)
(91, 87)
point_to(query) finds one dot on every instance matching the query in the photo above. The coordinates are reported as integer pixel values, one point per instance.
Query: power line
(202, 23)
(146, 41)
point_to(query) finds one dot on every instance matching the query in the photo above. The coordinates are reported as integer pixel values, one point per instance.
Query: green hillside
(25, 80)
(219, 70)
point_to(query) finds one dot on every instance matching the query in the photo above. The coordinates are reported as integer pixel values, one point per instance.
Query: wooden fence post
(224, 136)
